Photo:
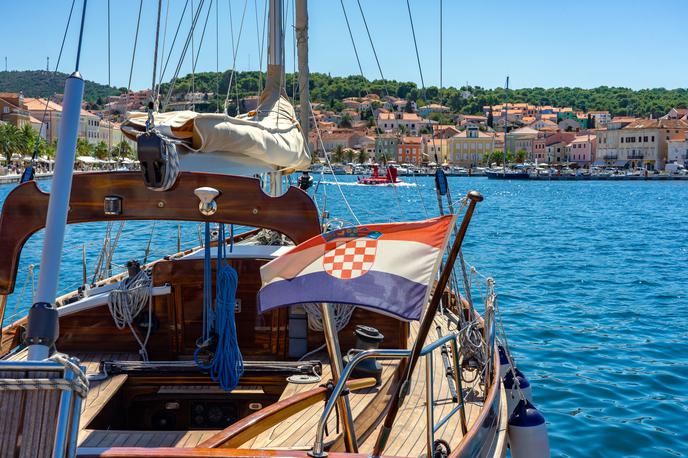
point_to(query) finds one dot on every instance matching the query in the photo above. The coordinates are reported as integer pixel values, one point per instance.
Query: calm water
(592, 283)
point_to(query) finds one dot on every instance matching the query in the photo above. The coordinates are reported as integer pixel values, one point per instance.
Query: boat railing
(318, 450)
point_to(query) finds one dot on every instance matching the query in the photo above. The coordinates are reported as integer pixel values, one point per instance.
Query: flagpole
(332, 342)
(403, 387)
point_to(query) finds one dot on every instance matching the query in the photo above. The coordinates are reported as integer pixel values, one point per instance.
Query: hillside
(467, 99)
(39, 83)
(331, 90)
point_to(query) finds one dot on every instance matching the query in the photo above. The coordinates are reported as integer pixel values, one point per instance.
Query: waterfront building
(581, 150)
(522, 140)
(410, 150)
(50, 116)
(638, 143)
(386, 146)
(468, 148)
(436, 149)
(678, 149)
(555, 146)
(13, 109)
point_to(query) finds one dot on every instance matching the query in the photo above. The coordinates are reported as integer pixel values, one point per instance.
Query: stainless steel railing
(318, 450)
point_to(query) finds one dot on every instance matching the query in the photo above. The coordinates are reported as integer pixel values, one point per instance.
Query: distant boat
(507, 174)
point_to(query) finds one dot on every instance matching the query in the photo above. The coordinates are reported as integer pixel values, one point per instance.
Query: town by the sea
(591, 278)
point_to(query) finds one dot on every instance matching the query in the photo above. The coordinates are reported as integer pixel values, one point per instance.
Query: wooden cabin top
(241, 201)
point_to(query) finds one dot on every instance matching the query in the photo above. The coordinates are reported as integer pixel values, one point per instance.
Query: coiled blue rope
(227, 365)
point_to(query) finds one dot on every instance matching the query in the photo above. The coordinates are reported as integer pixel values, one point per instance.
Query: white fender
(528, 432)
(513, 393)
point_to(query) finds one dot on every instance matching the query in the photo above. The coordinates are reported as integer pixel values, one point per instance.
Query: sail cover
(268, 138)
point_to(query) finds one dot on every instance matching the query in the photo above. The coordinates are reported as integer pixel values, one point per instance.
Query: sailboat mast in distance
(506, 121)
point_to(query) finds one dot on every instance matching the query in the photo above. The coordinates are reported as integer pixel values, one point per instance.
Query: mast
(302, 45)
(43, 326)
(275, 64)
(506, 123)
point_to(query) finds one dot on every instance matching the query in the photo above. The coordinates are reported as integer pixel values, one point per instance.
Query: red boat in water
(389, 178)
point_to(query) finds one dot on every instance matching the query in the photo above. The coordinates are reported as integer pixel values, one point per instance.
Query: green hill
(39, 83)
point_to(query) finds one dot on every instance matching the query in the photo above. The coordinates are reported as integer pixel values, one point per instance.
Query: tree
(83, 147)
(9, 141)
(490, 118)
(101, 150)
(521, 155)
(591, 121)
(346, 121)
(338, 154)
(122, 149)
(27, 139)
(408, 108)
(362, 157)
(349, 155)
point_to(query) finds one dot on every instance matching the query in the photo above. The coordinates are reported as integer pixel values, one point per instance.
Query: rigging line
(193, 66)
(57, 66)
(441, 41)
(351, 35)
(200, 43)
(217, 56)
(415, 44)
(235, 50)
(184, 51)
(133, 54)
(260, 48)
(174, 40)
(370, 38)
(327, 157)
(164, 33)
(81, 37)
(155, 53)
(109, 111)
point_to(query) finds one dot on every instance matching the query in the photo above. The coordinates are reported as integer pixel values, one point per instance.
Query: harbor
(553, 320)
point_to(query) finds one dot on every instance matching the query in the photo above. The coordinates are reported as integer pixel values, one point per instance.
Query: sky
(582, 43)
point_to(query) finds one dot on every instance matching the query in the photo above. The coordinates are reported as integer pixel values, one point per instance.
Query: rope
(127, 301)
(226, 365)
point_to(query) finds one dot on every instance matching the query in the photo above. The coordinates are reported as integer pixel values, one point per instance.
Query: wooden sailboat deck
(408, 437)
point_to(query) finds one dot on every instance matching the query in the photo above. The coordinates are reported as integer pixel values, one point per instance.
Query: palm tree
(122, 149)
(338, 154)
(27, 139)
(9, 141)
(349, 155)
(83, 147)
(101, 150)
(362, 157)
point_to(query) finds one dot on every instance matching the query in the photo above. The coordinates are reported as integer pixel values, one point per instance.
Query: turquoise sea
(591, 278)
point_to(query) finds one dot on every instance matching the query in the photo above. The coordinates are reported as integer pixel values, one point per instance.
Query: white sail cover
(268, 138)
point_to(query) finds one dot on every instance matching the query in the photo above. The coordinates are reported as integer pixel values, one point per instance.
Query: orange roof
(38, 104)
(411, 140)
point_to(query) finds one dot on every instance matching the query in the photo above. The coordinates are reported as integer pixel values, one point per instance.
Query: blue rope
(227, 365)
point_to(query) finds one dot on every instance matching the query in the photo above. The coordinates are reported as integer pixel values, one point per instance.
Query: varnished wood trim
(242, 201)
(142, 452)
(266, 418)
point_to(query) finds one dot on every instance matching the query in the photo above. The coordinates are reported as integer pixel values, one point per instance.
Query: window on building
(653, 138)
(621, 139)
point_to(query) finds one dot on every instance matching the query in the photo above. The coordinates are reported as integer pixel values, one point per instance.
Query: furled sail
(266, 139)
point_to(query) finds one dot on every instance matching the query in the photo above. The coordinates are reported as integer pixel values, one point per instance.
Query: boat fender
(504, 364)
(528, 432)
(512, 391)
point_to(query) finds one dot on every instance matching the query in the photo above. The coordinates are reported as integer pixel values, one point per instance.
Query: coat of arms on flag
(385, 267)
(352, 258)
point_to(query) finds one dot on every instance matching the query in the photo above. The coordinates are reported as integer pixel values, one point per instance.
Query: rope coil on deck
(79, 384)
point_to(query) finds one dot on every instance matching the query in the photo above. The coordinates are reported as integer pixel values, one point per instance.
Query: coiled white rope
(127, 301)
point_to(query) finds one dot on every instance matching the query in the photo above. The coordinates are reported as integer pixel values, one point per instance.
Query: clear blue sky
(583, 43)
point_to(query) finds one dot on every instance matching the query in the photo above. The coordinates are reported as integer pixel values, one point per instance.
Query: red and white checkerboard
(351, 259)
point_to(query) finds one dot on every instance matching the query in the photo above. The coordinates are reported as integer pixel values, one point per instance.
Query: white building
(678, 150)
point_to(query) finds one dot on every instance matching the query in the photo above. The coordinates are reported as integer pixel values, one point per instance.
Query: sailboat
(234, 347)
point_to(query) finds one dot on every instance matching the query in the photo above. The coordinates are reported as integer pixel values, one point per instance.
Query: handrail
(318, 450)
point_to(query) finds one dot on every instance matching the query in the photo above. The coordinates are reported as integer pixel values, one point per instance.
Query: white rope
(127, 301)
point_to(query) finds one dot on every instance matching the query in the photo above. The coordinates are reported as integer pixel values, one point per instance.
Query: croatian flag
(384, 267)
